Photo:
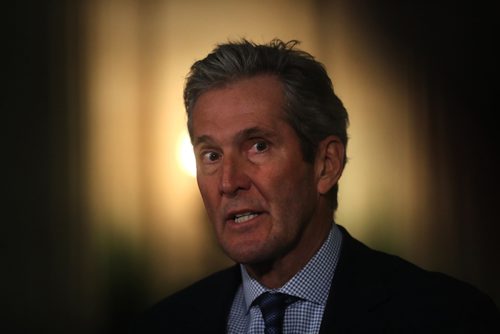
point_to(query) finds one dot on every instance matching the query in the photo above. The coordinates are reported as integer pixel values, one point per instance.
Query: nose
(234, 177)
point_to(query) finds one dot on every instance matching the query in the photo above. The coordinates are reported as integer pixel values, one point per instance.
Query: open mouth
(243, 217)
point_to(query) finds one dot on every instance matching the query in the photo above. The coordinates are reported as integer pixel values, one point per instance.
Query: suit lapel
(356, 290)
(216, 303)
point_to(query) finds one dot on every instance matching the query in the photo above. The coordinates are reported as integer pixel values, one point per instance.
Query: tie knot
(270, 300)
(273, 305)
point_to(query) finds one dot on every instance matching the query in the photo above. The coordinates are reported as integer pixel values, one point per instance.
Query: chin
(248, 255)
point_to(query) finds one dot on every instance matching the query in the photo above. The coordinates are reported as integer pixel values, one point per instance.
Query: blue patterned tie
(273, 305)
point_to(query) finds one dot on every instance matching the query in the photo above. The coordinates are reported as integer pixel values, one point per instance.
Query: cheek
(208, 192)
(285, 185)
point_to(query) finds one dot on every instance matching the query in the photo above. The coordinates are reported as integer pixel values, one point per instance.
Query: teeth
(244, 217)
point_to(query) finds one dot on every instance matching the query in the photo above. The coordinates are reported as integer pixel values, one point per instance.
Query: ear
(329, 163)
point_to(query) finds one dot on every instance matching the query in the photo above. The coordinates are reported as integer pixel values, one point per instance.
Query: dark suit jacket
(372, 292)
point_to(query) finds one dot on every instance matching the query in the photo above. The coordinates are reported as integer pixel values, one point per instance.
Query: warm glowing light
(185, 155)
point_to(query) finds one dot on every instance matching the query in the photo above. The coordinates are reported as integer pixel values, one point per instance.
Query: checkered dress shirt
(311, 285)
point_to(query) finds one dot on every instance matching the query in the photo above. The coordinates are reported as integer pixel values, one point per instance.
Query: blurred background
(103, 215)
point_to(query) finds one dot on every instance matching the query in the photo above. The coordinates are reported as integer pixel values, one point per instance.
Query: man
(269, 135)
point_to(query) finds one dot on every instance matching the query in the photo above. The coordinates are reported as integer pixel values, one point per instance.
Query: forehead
(256, 101)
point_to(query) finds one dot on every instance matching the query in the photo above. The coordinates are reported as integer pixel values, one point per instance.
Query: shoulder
(394, 272)
(204, 302)
(216, 284)
(398, 274)
(405, 294)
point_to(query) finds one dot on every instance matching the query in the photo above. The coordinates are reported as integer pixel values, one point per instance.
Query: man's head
(311, 107)
(265, 166)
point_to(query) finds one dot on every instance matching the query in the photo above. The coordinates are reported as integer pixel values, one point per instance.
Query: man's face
(258, 191)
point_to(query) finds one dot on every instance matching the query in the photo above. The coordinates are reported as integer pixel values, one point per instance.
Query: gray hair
(312, 109)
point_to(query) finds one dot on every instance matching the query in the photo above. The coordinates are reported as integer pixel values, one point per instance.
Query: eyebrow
(240, 135)
(255, 132)
(202, 140)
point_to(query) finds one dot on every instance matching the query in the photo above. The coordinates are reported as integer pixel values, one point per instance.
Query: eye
(210, 157)
(260, 146)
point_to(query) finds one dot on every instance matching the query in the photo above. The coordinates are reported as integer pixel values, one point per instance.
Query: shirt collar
(311, 283)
